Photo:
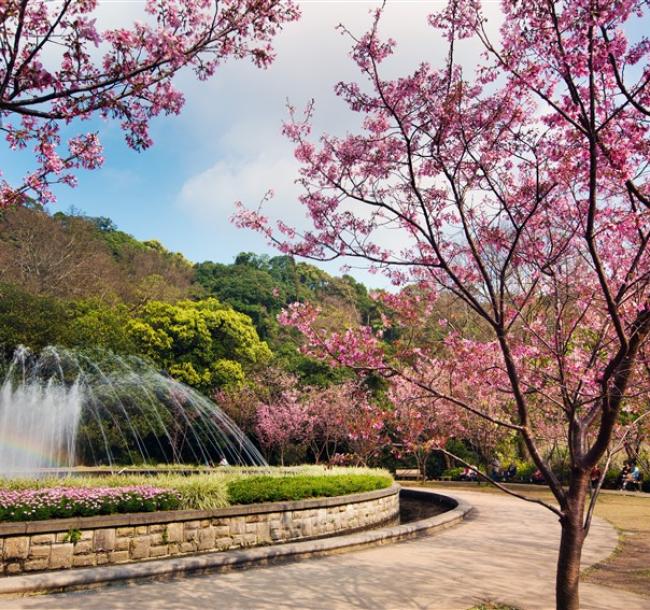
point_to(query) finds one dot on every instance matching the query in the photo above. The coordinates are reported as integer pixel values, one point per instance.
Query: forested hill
(80, 282)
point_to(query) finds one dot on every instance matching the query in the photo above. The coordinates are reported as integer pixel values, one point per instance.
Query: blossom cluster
(62, 502)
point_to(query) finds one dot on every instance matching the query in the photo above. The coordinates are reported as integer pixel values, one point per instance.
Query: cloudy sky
(227, 144)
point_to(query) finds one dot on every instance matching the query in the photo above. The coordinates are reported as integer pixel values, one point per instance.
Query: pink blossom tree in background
(365, 428)
(339, 424)
(57, 65)
(330, 410)
(285, 422)
(420, 426)
(523, 191)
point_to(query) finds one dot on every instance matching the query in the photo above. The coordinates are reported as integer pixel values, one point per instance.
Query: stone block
(175, 532)
(249, 540)
(237, 526)
(102, 559)
(87, 534)
(157, 539)
(38, 552)
(83, 547)
(61, 556)
(141, 530)
(222, 530)
(174, 548)
(156, 527)
(223, 543)
(159, 551)
(13, 568)
(83, 561)
(263, 532)
(140, 547)
(251, 528)
(16, 547)
(306, 529)
(104, 540)
(43, 539)
(191, 535)
(122, 544)
(35, 564)
(125, 531)
(206, 538)
(118, 557)
(188, 547)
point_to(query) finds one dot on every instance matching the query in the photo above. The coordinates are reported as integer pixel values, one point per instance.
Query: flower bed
(62, 502)
(215, 488)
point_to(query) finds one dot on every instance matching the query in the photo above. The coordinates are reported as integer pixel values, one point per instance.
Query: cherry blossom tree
(57, 65)
(329, 409)
(523, 190)
(283, 423)
(420, 426)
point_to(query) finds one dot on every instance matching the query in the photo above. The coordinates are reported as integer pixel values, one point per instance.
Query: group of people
(630, 477)
(498, 474)
(469, 473)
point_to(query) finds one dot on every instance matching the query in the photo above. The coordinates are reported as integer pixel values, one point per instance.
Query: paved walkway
(504, 552)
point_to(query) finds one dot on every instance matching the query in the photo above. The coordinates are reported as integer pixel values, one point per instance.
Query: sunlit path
(505, 552)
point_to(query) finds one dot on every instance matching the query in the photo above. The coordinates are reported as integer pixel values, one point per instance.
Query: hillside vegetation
(80, 282)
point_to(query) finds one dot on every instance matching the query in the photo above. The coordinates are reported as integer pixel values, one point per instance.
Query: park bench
(407, 473)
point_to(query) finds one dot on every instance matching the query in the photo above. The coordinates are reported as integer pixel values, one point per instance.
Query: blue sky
(227, 143)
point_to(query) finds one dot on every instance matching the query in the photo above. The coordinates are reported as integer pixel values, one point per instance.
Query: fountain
(65, 408)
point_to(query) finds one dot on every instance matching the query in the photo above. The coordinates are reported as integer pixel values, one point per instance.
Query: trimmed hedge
(251, 490)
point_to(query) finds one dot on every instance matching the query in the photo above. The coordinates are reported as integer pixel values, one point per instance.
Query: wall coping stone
(21, 528)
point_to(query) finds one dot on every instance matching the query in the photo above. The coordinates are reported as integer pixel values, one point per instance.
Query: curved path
(505, 551)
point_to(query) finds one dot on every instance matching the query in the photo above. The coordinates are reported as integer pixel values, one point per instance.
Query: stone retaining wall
(113, 539)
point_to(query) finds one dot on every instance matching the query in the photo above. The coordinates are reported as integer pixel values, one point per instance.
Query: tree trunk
(573, 536)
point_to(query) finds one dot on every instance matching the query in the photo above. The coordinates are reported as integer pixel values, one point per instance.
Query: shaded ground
(628, 568)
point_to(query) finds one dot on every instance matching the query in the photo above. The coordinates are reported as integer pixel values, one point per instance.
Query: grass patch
(274, 489)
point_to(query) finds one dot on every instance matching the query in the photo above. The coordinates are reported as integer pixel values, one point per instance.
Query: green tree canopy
(202, 343)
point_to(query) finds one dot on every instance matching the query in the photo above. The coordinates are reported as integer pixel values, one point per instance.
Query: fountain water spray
(62, 408)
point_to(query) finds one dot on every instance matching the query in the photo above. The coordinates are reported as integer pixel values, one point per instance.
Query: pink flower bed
(61, 502)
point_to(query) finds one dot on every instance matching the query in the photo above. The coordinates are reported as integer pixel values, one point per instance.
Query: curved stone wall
(113, 539)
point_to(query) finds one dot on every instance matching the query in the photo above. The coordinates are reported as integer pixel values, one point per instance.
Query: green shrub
(452, 473)
(524, 471)
(254, 489)
(611, 478)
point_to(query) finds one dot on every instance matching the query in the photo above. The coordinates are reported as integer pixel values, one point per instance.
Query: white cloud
(246, 107)
(211, 194)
